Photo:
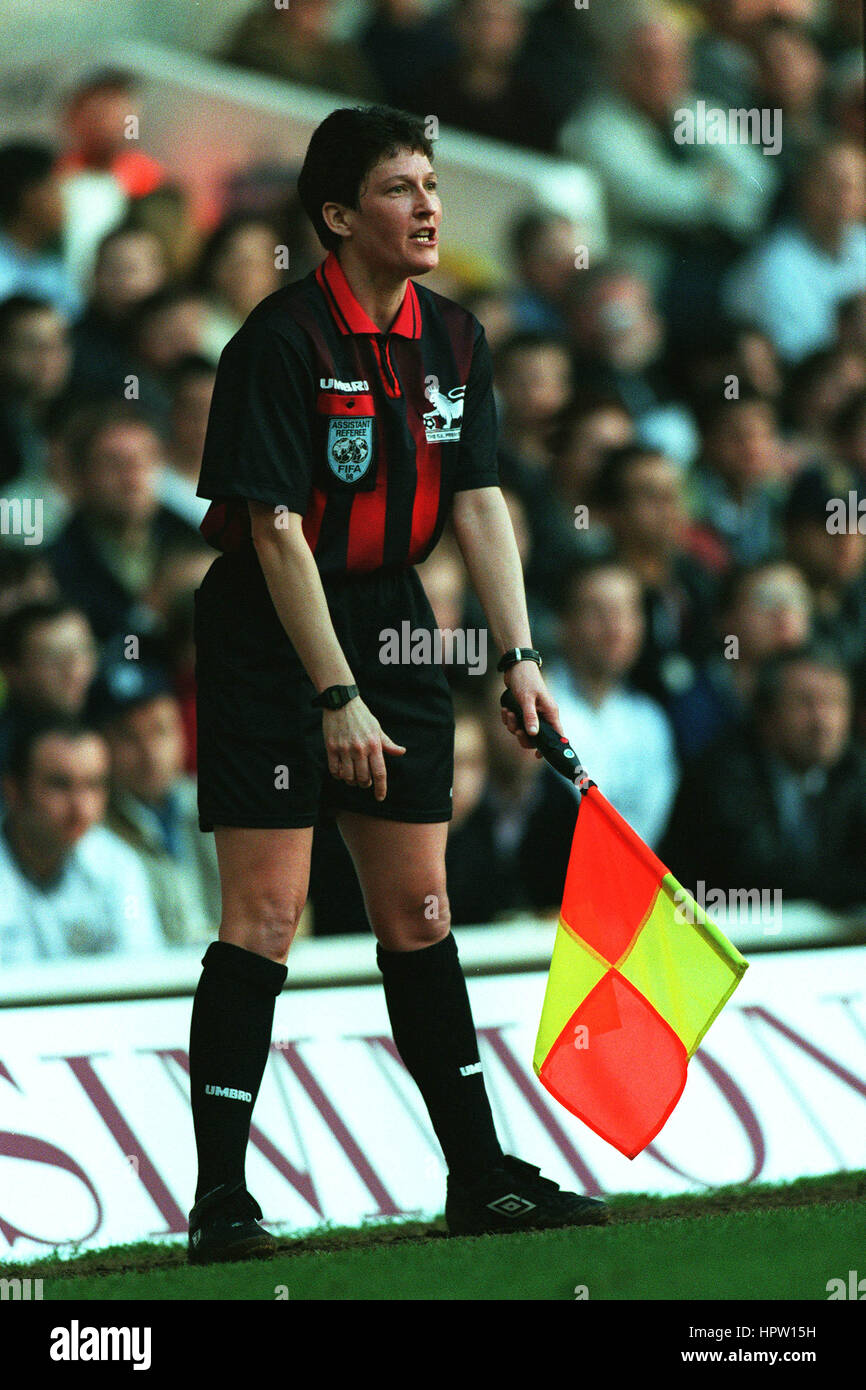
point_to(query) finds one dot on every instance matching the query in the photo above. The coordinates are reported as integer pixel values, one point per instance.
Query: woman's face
(398, 200)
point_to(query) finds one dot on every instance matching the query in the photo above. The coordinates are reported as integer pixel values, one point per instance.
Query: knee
(412, 923)
(263, 922)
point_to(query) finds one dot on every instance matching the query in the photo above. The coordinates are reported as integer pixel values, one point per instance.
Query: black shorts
(261, 755)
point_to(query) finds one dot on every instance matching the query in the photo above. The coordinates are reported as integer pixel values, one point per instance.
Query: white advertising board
(96, 1140)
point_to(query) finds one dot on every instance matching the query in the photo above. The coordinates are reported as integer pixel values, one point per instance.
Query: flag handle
(553, 747)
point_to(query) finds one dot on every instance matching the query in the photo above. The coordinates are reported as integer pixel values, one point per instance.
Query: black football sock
(431, 1020)
(230, 1035)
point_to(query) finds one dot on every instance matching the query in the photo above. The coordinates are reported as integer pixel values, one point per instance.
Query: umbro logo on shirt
(331, 384)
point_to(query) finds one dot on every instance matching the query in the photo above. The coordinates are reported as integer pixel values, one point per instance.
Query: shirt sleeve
(259, 439)
(478, 466)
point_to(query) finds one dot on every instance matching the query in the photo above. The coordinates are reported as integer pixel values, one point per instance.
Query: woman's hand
(355, 743)
(525, 683)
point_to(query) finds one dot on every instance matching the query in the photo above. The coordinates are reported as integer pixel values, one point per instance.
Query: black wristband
(515, 654)
(335, 696)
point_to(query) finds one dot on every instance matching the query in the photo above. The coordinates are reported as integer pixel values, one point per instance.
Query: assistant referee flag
(637, 976)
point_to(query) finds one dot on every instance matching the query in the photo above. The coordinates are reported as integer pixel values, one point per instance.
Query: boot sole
(250, 1249)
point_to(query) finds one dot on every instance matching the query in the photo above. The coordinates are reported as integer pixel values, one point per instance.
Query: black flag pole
(553, 747)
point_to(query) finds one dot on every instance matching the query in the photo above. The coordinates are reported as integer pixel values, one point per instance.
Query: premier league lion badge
(350, 447)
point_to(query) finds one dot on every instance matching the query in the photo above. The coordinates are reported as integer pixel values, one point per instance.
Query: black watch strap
(335, 696)
(515, 654)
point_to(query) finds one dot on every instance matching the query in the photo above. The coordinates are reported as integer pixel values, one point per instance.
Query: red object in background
(136, 172)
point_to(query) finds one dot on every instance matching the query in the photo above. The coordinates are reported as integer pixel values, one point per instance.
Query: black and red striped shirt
(367, 434)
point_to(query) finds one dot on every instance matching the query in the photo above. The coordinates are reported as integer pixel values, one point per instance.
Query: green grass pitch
(746, 1242)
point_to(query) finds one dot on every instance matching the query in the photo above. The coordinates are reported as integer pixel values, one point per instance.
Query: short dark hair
(32, 729)
(220, 238)
(714, 406)
(86, 425)
(581, 568)
(101, 80)
(187, 368)
(129, 227)
(771, 673)
(343, 150)
(23, 165)
(610, 481)
(19, 306)
(525, 231)
(18, 625)
(528, 340)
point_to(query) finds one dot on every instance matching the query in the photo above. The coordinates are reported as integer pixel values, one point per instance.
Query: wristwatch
(515, 654)
(335, 696)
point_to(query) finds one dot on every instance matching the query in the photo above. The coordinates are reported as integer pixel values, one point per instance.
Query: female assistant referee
(353, 413)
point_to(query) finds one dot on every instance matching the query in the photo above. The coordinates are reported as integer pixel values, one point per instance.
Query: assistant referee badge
(350, 446)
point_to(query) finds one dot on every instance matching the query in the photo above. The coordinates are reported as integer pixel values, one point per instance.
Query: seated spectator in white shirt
(664, 194)
(623, 738)
(153, 804)
(793, 283)
(68, 886)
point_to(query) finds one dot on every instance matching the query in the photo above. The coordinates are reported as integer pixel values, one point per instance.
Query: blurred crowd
(682, 449)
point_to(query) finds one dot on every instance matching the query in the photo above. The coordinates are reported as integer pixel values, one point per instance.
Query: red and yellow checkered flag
(638, 973)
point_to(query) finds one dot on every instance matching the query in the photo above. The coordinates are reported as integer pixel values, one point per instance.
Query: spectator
(795, 279)
(48, 659)
(106, 557)
(544, 246)
(723, 57)
(31, 222)
(731, 352)
(817, 389)
(68, 886)
(851, 323)
(590, 425)
(849, 435)
(168, 326)
(25, 577)
(790, 79)
(494, 309)
(511, 814)
(192, 383)
(558, 58)
(622, 737)
(130, 266)
(237, 270)
(402, 43)
(620, 335)
(832, 560)
(676, 208)
(763, 610)
(101, 119)
(737, 489)
(640, 495)
(152, 803)
(35, 363)
(294, 42)
(780, 803)
(533, 384)
(482, 90)
(473, 897)
(167, 213)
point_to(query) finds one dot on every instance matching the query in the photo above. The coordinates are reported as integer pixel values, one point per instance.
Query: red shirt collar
(347, 312)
